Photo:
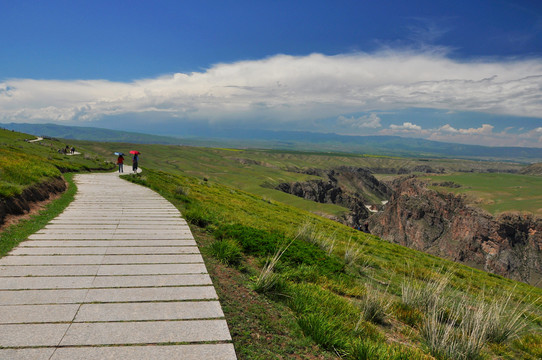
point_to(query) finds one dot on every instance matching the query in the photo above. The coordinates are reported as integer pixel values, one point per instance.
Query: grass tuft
(226, 251)
(323, 331)
(268, 280)
(374, 306)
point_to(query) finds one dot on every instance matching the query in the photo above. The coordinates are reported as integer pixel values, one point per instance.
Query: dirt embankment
(21, 204)
(444, 225)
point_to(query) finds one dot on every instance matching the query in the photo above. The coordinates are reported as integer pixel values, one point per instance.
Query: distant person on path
(120, 162)
(73, 150)
(135, 160)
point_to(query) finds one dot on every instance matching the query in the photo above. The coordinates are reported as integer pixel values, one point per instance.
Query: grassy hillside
(495, 193)
(352, 294)
(259, 171)
(333, 292)
(23, 164)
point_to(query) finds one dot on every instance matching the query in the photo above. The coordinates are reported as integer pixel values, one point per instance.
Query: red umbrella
(135, 152)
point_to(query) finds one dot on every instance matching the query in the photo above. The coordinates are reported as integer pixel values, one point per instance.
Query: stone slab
(111, 243)
(59, 251)
(52, 260)
(155, 332)
(155, 352)
(97, 236)
(103, 250)
(86, 282)
(153, 259)
(27, 354)
(20, 314)
(106, 232)
(79, 250)
(149, 269)
(34, 297)
(176, 236)
(44, 282)
(99, 259)
(151, 280)
(73, 226)
(152, 250)
(118, 222)
(148, 311)
(20, 335)
(151, 294)
(89, 227)
(49, 270)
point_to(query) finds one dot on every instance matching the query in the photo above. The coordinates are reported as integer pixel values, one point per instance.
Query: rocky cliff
(444, 225)
(352, 188)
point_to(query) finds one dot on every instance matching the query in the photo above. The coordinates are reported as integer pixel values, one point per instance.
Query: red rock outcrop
(444, 225)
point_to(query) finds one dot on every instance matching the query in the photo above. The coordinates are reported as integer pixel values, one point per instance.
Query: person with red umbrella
(135, 159)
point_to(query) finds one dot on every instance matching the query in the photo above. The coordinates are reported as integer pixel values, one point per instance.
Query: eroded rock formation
(443, 224)
(352, 188)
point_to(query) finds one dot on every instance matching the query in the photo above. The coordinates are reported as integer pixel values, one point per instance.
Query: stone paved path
(118, 275)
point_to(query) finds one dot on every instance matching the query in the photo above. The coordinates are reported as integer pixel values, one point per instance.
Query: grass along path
(333, 280)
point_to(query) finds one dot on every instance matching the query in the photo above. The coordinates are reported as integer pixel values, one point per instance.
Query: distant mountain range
(89, 133)
(293, 140)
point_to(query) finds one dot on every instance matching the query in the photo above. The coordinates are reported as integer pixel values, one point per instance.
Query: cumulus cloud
(406, 126)
(371, 121)
(286, 88)
(484, 129)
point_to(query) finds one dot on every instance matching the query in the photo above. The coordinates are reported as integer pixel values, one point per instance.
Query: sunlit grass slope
(24, 164)
(353, 294)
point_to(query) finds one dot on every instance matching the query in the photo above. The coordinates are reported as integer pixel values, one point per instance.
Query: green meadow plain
(334, 292)
(496, 193)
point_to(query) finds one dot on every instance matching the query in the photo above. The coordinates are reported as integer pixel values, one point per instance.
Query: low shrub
(226, 251)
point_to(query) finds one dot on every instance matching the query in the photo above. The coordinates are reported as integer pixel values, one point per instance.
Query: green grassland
(330, 275)
(334, 292)
(259, 171)
(496, 193)
(23, 164)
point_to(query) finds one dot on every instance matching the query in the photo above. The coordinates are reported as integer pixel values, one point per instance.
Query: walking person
(135, 160)
(120, 162)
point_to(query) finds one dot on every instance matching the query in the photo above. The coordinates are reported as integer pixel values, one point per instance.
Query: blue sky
(461, 71)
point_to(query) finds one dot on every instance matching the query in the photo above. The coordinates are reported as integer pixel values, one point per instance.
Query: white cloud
(407, 126)
(291, 89)
(448, 129)
(484, 129)
(371, 121)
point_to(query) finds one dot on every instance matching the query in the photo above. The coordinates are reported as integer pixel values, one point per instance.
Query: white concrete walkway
(118, 275)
